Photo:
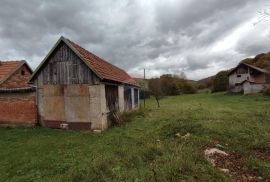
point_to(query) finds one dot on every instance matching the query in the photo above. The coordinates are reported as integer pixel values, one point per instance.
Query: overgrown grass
(145, 149)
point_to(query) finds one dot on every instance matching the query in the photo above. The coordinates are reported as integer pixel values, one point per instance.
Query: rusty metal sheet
(77, 90)
(53, 103)
(77, 103)
(53, 90)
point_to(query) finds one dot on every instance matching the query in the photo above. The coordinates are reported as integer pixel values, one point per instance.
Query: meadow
(157, 144)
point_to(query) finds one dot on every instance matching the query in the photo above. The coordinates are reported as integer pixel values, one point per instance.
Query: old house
(17, 97)
(77, 89)
(246, 79)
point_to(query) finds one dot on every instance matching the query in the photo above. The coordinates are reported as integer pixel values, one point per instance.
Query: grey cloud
(163, 36)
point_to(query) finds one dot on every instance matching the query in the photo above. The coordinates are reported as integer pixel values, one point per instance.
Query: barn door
(112, 102)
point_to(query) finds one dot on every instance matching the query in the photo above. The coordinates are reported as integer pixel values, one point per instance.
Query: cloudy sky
(197, 37)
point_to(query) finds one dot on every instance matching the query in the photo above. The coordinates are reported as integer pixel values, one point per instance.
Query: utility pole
(144, 87)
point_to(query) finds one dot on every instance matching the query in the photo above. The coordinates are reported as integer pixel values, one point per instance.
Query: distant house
(17, 97)
(77, 89)
(247, 79)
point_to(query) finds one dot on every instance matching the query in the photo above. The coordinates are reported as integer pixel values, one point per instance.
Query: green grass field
(146, 149)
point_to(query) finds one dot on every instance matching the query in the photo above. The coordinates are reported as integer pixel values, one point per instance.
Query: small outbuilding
(77, 89)
(17, 97)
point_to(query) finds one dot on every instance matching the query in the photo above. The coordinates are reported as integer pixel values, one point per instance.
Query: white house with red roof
(79, 90)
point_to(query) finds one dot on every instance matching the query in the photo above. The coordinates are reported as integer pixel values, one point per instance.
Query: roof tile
(106, 70)
(6, 67)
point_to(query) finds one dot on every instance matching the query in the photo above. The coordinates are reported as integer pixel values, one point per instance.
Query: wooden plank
(65, 67)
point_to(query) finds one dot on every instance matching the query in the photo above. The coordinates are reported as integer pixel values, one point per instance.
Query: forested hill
(261, 60)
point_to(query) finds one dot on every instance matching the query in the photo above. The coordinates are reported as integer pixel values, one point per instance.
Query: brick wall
(18, 109)
(19, 79)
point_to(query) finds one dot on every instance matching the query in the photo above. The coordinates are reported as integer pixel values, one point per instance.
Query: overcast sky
(197, 37)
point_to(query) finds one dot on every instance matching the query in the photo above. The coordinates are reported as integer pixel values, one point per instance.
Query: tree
(221, 82)
(264, 16)
(155, 87)
(188, 88)
(174, 85)
(169, 84)
(261, 60)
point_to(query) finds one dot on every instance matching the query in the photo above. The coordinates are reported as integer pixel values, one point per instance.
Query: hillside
(206, 82)
(260, 60)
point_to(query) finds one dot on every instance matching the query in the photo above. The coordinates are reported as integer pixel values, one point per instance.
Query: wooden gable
(64, 67)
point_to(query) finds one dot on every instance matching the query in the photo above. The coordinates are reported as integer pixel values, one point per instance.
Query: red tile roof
(103, 68)
(7, 67)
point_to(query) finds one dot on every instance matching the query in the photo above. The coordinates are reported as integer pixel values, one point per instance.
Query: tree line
(170, 85)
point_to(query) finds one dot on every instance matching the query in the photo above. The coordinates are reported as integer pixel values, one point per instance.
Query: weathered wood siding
(64, 67)
(112, 98)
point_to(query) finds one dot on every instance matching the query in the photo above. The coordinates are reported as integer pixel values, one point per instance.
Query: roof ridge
(102, 68)
(4, 61)
(255, 67)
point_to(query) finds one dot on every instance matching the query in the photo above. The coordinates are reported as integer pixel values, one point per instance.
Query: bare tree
(264, 15)
(155, 87)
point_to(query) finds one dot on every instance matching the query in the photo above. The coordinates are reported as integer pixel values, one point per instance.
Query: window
(237, 84)
(238, 76)
(22, 72)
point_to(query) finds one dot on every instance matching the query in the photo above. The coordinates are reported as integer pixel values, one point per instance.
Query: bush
(174, 85)
(189, 88)
(221, 82)
(118, 118)
(266, 90)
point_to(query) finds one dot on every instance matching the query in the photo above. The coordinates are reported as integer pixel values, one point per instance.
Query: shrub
(189, 88)
(221, 82)
(266, 90)
(118, 118)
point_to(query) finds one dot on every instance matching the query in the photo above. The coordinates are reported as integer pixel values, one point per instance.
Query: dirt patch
(262, 154)
(230, 163)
